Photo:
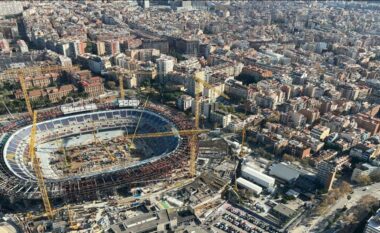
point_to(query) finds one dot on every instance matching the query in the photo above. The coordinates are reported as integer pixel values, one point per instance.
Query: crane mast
(193, 139)
(20, 72)
(25, 93)
(37, 169)
(121, 86)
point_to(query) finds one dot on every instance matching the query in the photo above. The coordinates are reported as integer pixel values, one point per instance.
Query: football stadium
(90, 150)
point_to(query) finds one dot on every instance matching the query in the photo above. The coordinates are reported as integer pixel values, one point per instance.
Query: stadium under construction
(84, 152)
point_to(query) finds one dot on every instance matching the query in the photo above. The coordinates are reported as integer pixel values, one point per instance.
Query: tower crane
(37, 169)
(97, 141)
(132, 146)
(33, 114)
(241, 153)
(120, 72)
(188, 132)
(22, 72)
(243, 138)
(193, 140)
(72, 224)
(120, 75)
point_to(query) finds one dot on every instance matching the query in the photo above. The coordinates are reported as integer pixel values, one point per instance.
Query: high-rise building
(77, 48)
(326, 174)
(11, 7)
(4, 46)
(144, 3)
(23, 46)
(373, 224)
(198, 75)
(100, 48)
(184, 102)
(165, 64)
(64, 49)
(112, 47)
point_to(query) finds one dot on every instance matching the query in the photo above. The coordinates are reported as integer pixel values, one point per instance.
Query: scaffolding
(92, 187)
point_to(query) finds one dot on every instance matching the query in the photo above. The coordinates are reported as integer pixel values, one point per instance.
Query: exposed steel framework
(92, 187)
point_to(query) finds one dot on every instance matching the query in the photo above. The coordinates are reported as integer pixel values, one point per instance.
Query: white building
(165, 64)
(257, 177)
(184, 102)
(284, 172)
(65, 61)
(215, 92)
(23, 46)
(365, 169)
(373, 224)
(220, 117)
(249, 185)
(320, 132)
(11, 7)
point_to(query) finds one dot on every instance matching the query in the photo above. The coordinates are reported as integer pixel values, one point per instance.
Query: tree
(111, 85)
(364, 179)
(375, 175)
(288, 158)
(345, 187)
(367, 201)
(89, 47)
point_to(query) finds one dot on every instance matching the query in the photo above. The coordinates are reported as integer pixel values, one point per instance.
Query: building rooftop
(374, 221)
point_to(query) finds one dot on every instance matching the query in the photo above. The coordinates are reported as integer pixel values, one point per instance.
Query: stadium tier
(167, 153)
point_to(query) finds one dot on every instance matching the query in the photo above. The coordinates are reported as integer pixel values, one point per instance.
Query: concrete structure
(184, 102)
(284, 172)
(326, 174)
(161, 221)
(373, 224)
(165, 64)
(221, 118)
(320, 132)
(249, 185)
(257, 177)
(158, 165)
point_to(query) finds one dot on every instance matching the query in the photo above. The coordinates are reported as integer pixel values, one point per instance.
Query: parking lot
(233, 220)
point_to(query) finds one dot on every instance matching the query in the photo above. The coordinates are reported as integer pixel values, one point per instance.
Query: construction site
(73, 168)
(83, 152)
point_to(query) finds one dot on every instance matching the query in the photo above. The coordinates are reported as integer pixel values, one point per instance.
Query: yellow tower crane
(120, 72)
(97, 141)
(73, 225)
(22, 72)
(33, 114)
(192, 142)
(37, 169)
(243, 138)
(188, 132)
(242, 152)
(121, 86)
(198, 81)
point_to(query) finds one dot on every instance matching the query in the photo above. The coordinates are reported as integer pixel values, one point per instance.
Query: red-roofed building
(93, 86)
(56, 94)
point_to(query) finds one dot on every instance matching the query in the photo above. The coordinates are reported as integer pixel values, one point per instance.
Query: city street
(315, 224)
